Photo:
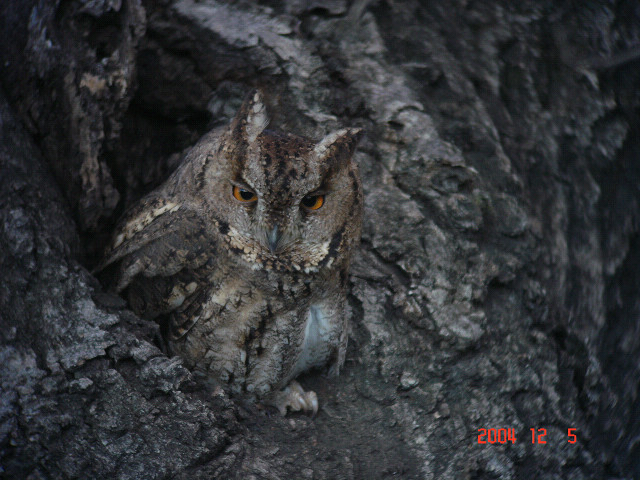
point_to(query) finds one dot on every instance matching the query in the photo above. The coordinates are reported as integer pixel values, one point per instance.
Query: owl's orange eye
(243, 195)
(313, 202)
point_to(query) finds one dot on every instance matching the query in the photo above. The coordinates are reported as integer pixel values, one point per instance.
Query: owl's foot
(294, 397)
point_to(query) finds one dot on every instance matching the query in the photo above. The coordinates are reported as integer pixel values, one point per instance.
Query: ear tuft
(339, 146)
(251, 119)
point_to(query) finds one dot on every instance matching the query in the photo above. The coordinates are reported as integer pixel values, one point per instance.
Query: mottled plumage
(244, 251)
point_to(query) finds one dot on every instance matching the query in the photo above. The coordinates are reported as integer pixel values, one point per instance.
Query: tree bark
(496, 284)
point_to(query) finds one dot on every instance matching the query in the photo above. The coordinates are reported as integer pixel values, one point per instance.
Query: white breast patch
(316, 335)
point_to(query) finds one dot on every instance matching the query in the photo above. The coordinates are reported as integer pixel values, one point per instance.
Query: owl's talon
(294, 397)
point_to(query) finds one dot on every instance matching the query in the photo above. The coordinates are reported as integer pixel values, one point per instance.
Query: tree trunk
(496, 286)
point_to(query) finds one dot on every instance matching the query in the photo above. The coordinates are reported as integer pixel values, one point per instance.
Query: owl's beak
(273, 238)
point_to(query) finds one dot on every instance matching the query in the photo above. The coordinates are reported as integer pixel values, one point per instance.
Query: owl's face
(285, 202)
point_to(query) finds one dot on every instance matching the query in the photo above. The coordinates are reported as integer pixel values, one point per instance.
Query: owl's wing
(181, 297)
(158, 238)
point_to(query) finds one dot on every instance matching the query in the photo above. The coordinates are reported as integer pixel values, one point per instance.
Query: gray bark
(496, 284)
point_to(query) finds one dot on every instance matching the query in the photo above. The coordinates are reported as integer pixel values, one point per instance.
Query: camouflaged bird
(244, 252)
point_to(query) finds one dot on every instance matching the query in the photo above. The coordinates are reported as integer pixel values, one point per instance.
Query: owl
(242, 256)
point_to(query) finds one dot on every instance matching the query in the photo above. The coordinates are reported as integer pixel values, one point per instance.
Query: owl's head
(282, 201)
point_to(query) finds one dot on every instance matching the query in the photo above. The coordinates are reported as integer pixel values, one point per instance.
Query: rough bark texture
(496, 285)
